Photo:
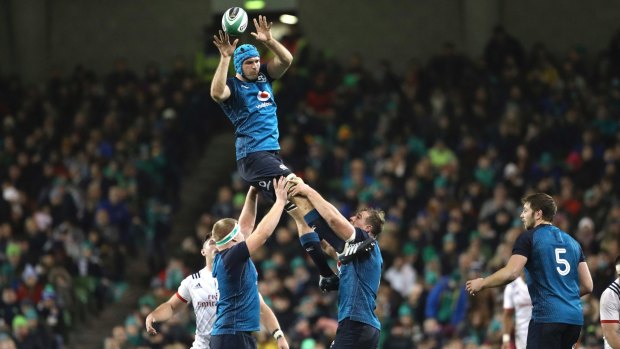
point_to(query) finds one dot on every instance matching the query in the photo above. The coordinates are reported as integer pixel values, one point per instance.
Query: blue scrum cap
(242, 53)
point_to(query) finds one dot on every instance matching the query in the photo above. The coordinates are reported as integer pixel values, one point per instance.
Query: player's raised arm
(283, 58)
(337, 222)
(219, 90)
(268, 224)
(247, 218)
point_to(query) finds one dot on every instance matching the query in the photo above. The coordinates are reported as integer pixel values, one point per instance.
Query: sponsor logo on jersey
(263, 105)
(263, 96)
(206, 304)
(245, 87)
(198, 285)
(261, 78)
(283, 167)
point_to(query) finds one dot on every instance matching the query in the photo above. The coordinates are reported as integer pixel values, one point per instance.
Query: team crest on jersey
(263, 96)
(261, 78)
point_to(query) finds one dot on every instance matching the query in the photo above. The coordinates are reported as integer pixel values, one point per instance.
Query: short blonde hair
(222, 227)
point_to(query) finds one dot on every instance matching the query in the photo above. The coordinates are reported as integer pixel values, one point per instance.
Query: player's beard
(252, 78)
(528, 222)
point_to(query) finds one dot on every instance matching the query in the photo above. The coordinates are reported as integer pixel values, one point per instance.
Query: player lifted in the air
(247, 100)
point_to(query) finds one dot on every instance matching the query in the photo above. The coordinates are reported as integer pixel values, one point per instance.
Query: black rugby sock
(312, 244)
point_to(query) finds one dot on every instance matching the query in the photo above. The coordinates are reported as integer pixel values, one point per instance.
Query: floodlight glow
(254, 4)
(288, 19)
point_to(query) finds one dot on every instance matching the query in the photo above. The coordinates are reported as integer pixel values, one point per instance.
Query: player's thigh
(552, 335)
(260, 168)
(354, 335)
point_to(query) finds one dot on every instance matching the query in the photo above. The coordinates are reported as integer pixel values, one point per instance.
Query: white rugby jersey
(610, 305)
(517, 297)
(201, 289)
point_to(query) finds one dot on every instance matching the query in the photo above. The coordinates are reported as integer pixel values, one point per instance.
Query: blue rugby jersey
(238, 308)
(359, 284)
(553, 258)
(252, 109)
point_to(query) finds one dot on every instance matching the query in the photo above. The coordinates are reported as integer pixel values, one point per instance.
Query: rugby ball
(234, 21)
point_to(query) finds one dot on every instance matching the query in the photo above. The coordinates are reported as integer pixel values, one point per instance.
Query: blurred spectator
(25, 336)
(83, 158)
(500, 47)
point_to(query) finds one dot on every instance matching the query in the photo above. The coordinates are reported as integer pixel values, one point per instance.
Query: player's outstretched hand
(263, 29)
(299, 189)
(279, 186)
(222, 42)
(293, 180)
(474, 286)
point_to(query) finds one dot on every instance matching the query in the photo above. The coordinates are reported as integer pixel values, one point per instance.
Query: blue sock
(312, 244)
(316, 222)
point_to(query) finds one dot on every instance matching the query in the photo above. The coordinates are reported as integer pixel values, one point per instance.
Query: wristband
(277, 334)
(505, 338)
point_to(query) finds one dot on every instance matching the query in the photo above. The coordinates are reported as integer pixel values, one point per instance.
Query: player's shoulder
(572, 242)
(525, 238)
(232, 82)
(541, 231)
(612, 292)
(564, 233)
(193, 276)
(549, 232)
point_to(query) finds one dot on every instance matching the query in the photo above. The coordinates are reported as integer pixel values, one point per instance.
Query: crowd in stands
(447, 148)
(90, 170)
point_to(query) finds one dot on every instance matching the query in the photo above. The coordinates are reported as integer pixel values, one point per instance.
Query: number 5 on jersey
(560, 260)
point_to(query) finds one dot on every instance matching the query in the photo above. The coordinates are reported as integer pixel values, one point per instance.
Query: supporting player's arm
(219, 90)
(247, 218)
(269, 319)
(282, 59)
(339, 224)
(269, 223)
(164, 312)
(585, 279)
(507, 274)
